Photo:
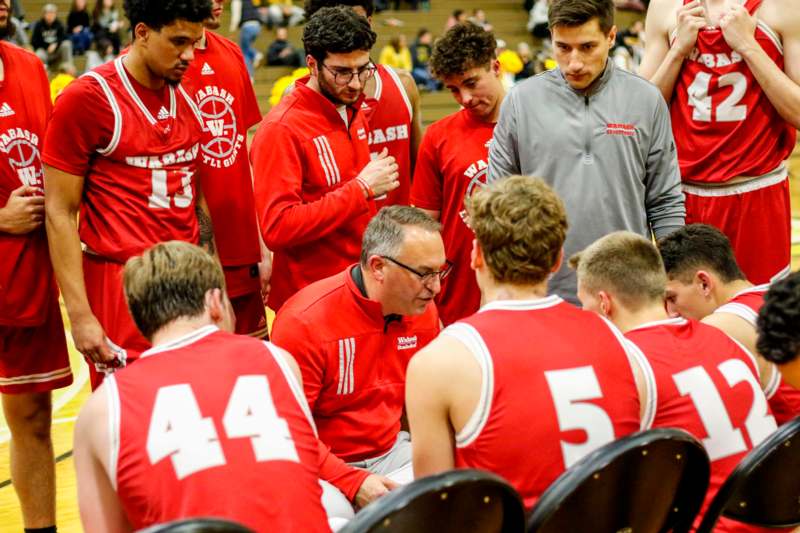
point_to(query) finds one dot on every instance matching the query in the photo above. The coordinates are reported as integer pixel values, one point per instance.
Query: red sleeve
(45, 87)
(285, 218)
(344, 477)
(426, 187)
(82, 122)
(252, 114)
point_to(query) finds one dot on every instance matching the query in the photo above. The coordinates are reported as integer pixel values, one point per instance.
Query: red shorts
(107, 300)
(35, 359)
(244, 290)
(755, 215)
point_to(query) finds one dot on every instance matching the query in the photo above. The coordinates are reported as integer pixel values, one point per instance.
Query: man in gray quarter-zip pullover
(600, 136)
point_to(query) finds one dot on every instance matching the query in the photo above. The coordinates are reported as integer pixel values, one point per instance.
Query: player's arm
(62, 200)
(99, 506)
(205, 227)
(431, 374)
(663, 60)
(745, 334)
(664, 200)
(416, 114)
(782, 88)
(504, 148)
(286, 219)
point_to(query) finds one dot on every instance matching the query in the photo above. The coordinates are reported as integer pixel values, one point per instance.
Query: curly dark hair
(312, 6)
(779, 321)
(336, 30)
(156, 14)
(695, 247)
(463, 47)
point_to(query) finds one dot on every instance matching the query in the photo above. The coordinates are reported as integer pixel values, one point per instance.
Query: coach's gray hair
(385, 232)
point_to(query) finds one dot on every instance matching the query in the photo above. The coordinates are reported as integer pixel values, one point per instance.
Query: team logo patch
(627, 130)
(21, 147)
(219, 123)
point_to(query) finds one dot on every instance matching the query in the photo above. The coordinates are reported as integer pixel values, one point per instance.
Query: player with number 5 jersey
(129, 168)
(731, 72)
(514, 376)
(207, 423)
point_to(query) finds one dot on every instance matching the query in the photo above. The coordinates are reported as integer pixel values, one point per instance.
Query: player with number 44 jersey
(731, 73)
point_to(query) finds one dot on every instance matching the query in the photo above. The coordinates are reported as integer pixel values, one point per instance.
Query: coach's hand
(90, 339)
(373, 488)
(23, 212)
(739, 28)
(691, 18)
(381, 174)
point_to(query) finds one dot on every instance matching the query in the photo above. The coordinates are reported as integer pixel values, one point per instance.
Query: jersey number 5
(570, 389)
(179, 431)
(729, 110)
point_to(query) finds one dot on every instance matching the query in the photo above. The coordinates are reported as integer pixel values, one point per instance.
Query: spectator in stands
(281, 53)
(528, 63)
(102, 51)
(779, 327)
(78, 27)
(457, 17)
(16, 34)
(49, 38)
(537, 22)
(66, 73)
(248, 16)
(420, 58)
(510, 63)
(284, 13)
(479, 19)
(412, 3)
(396, 54)
(107, 23)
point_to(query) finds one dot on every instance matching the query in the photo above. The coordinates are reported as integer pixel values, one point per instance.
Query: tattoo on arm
(206, 230)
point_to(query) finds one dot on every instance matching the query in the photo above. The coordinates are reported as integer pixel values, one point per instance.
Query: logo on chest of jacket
(406, 343)
(626, 130)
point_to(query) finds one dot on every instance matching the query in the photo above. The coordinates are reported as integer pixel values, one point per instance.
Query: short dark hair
(385, 233)
(464, 46)
(579, 12)
(336, 30)
(695, 247)
(156, 14)
(312, 6)
(779, 321)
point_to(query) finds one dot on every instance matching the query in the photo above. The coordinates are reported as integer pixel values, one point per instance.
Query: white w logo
(216, 127)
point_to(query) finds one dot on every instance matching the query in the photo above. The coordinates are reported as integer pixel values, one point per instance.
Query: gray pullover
(608, 152)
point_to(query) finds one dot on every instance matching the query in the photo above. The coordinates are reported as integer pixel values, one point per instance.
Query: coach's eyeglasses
(424, 277)
(343, 76)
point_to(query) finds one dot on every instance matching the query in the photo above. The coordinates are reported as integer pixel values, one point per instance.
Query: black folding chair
(198, 525)
(459, 501)
(764, 490)
(647, 482)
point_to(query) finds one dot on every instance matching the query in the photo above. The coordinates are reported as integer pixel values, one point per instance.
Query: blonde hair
(520, 224)
(624, 263)
(169, 281)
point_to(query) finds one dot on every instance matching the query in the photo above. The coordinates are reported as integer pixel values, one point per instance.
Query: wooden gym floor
(67, 403)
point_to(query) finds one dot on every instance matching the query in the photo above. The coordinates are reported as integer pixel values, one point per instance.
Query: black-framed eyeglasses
(345, 76)
(424, 277)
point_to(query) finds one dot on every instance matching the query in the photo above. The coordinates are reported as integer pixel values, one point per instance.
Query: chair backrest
(647, 482)
(461, 501)
(764, 489)
(198, 525)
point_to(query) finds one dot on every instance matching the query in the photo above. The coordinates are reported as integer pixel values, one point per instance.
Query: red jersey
(707, 384)
(580, 387)
(312, 210)
(27, 285)
(217, 79)
(784, 400)
(137, 153)
(213, 424)
(390, 122)
(724, 124)
(353, 362)
(448, 169)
